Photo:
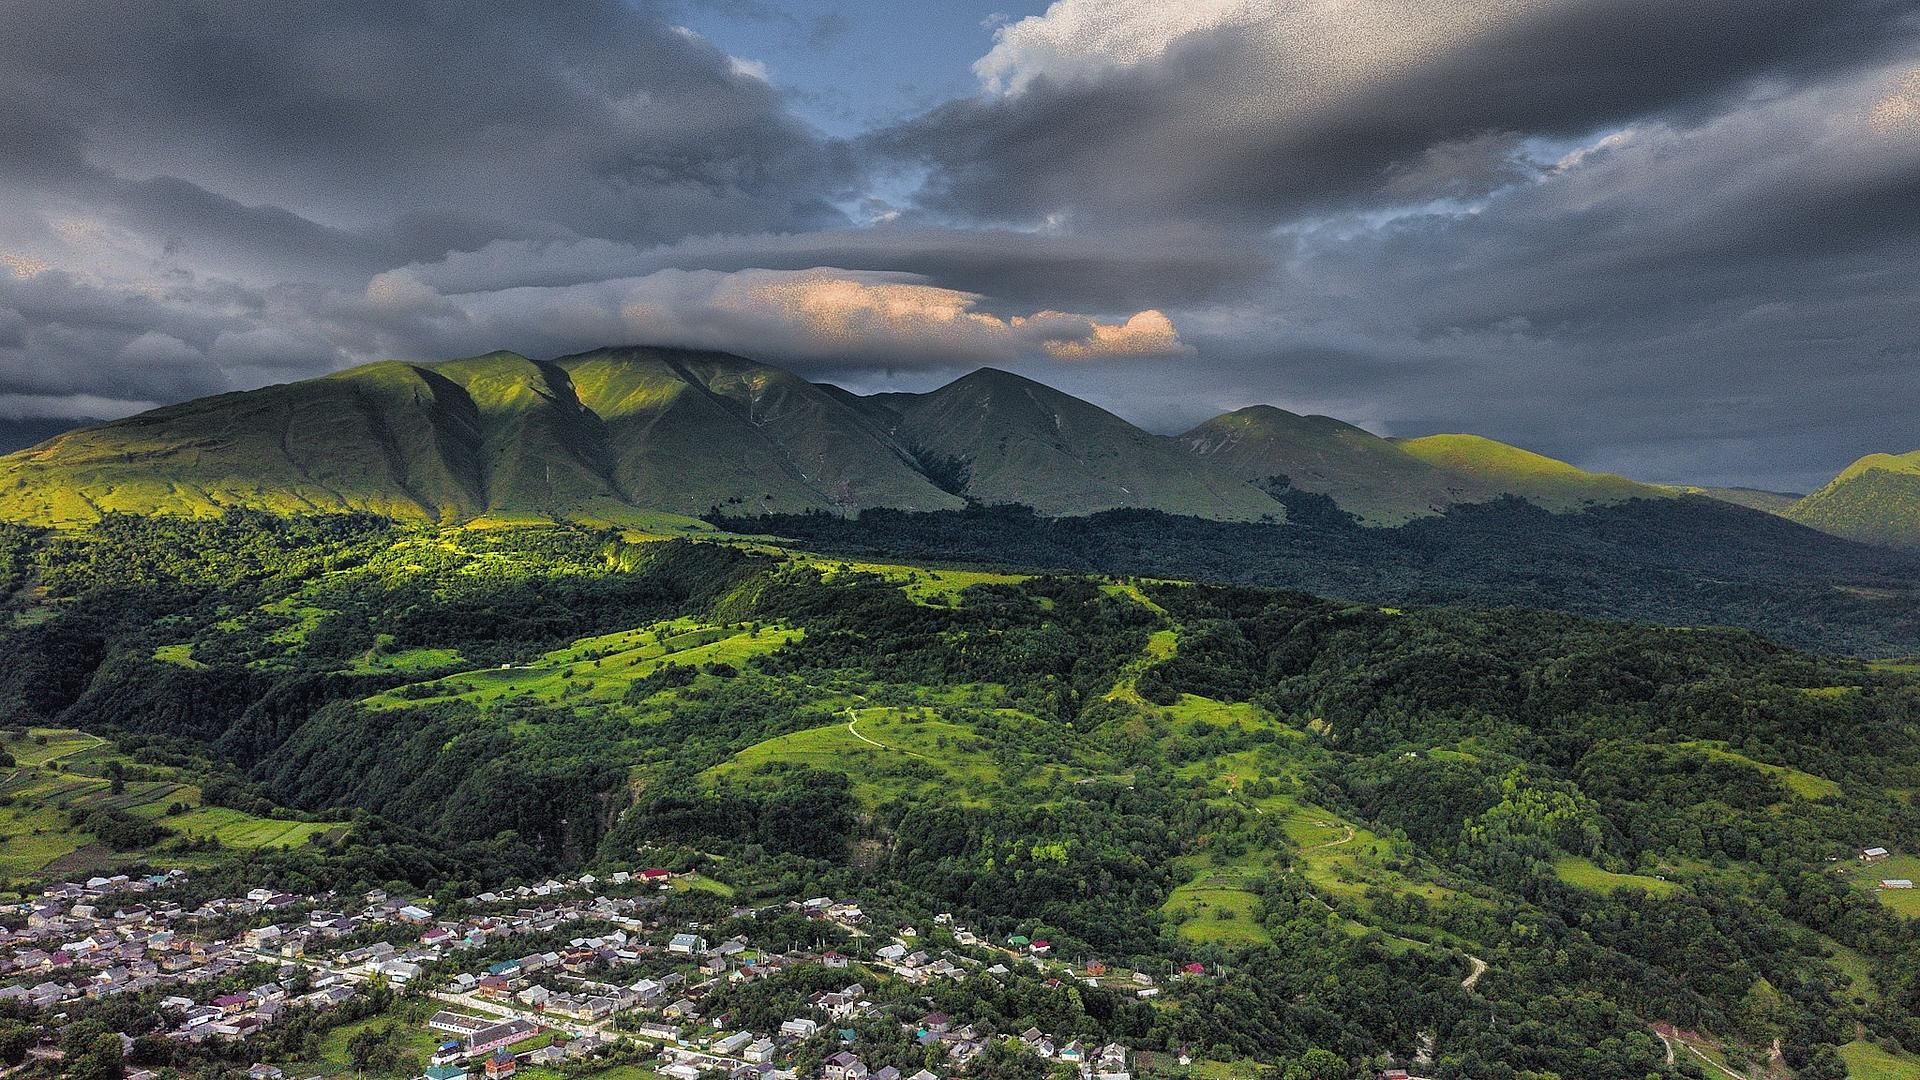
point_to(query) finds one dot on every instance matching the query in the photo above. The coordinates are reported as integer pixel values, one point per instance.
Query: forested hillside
(1503, 843)
(1686, 561)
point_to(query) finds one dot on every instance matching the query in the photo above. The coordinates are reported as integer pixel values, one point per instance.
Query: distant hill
(1875, 499)
(32, 430)
(1485, 469)
(996, 437)
(1773, 502)
(1365, 474)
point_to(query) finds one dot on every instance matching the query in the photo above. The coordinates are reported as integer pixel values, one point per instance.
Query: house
(444, 1072)
(687, 944)
(733, 1043)
(535, 996)
(457, 1023)
(264, 1072)
(759, 1052)
(655, 874)
(1191, 969)
(1096, 968)
(503, 1034)
(1873, 854)
(799, 1027)
(1041, 947)
(845, 1065)
(500, 1064)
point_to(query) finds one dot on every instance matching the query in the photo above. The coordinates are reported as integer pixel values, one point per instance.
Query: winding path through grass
(853, 717)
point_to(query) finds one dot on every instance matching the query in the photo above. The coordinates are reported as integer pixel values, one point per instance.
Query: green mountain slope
(612, 435)
(689, 431)
(1875, 499)
(1486, 469)
(1362, 472)
(390, 438)
(997, 437)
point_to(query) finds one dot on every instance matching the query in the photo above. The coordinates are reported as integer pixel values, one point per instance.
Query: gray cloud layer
(1677, 240)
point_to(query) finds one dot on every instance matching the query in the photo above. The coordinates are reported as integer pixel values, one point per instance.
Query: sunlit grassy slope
(1485, 468)
(1875, 499)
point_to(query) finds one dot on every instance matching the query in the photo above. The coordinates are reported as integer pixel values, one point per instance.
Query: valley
(1473, 818)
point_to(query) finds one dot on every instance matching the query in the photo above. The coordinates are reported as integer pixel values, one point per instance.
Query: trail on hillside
(853, 717)
(1473, 977)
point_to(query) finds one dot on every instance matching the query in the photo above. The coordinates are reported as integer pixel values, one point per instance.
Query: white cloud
(1078, 38)
(821, 318)
(749, 69)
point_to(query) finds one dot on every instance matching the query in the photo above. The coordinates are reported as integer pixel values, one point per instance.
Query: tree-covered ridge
(1683, 561)
(1342, 810)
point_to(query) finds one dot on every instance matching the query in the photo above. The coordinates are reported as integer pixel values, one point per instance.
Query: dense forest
(1688, 561)
(1507, 838)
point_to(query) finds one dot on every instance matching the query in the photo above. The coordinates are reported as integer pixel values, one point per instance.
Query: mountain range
(628, 434)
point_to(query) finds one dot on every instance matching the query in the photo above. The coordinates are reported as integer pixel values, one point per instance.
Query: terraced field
(66, 774)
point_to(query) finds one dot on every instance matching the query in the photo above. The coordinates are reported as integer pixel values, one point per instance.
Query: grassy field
(1867, 1061)
(1868, 876)
(1585, 874)
(922, 584)
(889, 752)
(1804, 784)
(1219, 901)
(597, 669)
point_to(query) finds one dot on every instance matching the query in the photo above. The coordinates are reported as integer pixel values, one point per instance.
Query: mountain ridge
(639, 434)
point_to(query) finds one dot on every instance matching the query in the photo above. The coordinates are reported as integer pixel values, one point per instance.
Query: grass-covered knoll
(601, 669)
(923, 584)
(1583, 873)
(1871, 1061)
(1483, 468)
(1803, 784)
(1219, 904)
(1875, 499)
(891, 753)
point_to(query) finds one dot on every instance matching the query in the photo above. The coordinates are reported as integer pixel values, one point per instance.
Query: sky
(1676, 241)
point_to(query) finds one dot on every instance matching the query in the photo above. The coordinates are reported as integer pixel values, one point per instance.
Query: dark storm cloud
(1282, 112)
(1675, 239)
(584, 118)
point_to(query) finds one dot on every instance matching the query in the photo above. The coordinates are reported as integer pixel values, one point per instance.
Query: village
(628, 985)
